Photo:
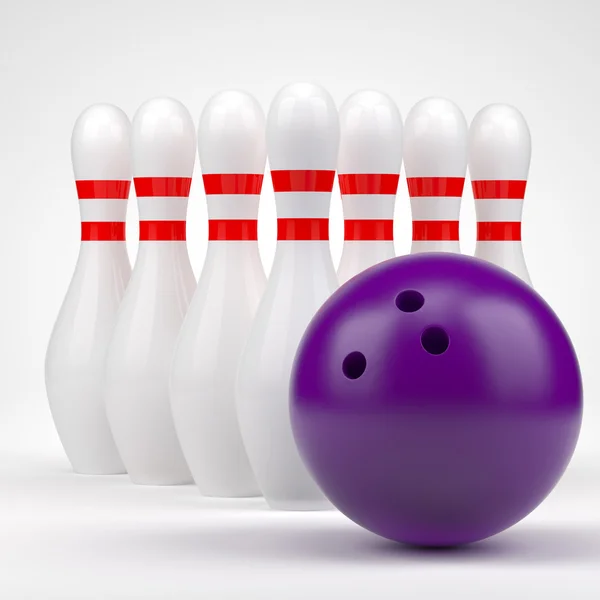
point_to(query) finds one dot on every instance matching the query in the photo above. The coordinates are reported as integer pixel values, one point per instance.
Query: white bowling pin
(76, 354)
(435, 162)
(302, 145)
(162, 283)
(369, 164)
(499, 157)
(231, 147)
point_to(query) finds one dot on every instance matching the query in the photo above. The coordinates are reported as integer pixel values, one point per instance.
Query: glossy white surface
(435, 139)
(370, 142)
(163, 139)
(100, 144)
(302, 133)
(77, 348)
(155, 303)
(303, 128)
(435, 145)
(231, 134)
(500, 149)
(499, 144)
(370, 134)
(231, 139)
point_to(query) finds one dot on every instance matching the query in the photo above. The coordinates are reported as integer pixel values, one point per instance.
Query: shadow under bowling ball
(436, 399)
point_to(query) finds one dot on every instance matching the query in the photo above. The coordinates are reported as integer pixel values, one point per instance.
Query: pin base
(230, 494)
(98, 471)
(159, 482)
(299, 505)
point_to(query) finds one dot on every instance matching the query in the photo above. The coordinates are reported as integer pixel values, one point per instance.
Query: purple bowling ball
(436, 399)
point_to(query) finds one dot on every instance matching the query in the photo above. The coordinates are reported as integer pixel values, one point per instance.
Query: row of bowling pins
(138, 381)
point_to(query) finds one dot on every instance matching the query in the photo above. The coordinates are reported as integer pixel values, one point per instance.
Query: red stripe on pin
(303, 229)
(162, 231)
(435, 231)
(499, 231)
(232, 230)
(368, 230)
(369, 183)
(302, 181)
(162, 186)
(103, 231)
(232, 183)
(111, 189)
(435, 186)
(495, 190)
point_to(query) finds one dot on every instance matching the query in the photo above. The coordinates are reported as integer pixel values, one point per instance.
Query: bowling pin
(161, 286)
(369, 164)
(231, 147)
(302, 146)
(77, 350)
(435, 162)
(499, 157)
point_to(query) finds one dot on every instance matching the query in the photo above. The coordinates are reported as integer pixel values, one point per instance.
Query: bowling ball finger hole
(354, 365)
(435, 340)
(409, 301)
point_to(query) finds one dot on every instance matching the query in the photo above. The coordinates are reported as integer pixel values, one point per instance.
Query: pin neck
(102, 231)
(302, 180)
(302, 229)
(162, 205)
(435, 206)
(435, 231)
(498, 204)
(232, 204)
(88, 189)
(302, 198)
(162, 186)
(489, 189)
(162, 231)
(368, 183)
(103, 209)
(218, 184)
(419, 187)
(498, 231)
(363, 230)
(232, 230)
(368, 203)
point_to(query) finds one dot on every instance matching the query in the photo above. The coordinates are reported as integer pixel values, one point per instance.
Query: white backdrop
(58, 57)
